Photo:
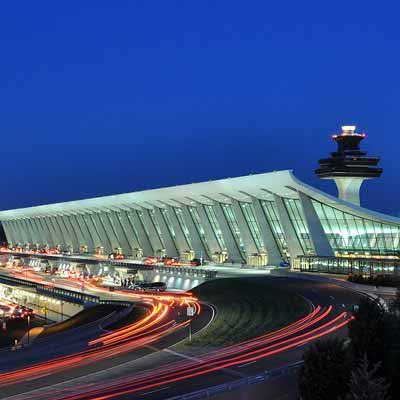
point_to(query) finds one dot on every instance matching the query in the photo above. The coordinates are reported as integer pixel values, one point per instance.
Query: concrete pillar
(155, 240)
(208, 230)
(110, 231)
(72, 239)
(180, 238)
(197, 243)
(230, 242)
(36, 228)
(62, 235)
(14, 231)
(123, 238)
(24, 229)
(88, 238)
(167, 237)
(292, 241)
(105, 240)
(19, 228)
(126, 220)
(9, 230)
(66, 229)
(148, 242)
(93, 231)
(53, 233)
(318, 237)
(248, 240)
(28, 231)
(274, 254)
(349, 188)
(78, 232)
(46, 232)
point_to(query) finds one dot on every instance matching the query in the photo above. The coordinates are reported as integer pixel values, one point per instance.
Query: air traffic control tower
(349, 165)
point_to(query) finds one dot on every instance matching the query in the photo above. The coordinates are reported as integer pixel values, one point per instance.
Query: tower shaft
(349, 166)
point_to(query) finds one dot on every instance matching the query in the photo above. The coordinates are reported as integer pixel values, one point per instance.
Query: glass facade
(199, 228)
(271, 214)
(131, 222)
(120, 229)
(114, 231)
(234, 226)
(348, 265)
(210, 212)
(158, 229)
(248, 213)
(350, 234)
(141, 219)
(165, 214)
(182, 224)
(298, 221)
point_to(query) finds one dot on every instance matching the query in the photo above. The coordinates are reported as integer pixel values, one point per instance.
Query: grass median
(246, 308)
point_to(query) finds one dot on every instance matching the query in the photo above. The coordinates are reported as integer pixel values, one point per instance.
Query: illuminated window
(182, 224)
(298, 221)
(253, 225)
(199, 228)
(233, 225)
(215, 225)
(271, 214)
(348, 233)
(158, 229)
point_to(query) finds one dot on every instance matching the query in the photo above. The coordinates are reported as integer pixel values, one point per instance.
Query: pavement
(322, 290)
(128, 366)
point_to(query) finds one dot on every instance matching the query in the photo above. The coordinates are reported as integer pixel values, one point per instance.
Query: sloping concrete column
(123, 238)
(208, 230)
(318, 237)
(248, 240)
(195, 238)
(180, 237)
(88, 238)
(172, 251)
(155, 240)
(273, 252)
(292, 241)
(230, 242)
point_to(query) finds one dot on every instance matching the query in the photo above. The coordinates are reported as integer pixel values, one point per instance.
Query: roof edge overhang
(216, 189)
(342, 204)
(282, 183)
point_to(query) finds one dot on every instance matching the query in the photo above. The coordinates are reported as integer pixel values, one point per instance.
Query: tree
(367, 331)
(392, 352)
(365, 384)
(324, 375)
(395, 304)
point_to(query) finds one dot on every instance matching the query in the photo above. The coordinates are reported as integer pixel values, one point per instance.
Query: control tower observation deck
(349, 166)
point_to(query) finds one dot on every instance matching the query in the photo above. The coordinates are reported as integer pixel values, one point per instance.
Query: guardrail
(127, 263)
(117, 302)
(205, 273)
(52, 291)
(236, 384)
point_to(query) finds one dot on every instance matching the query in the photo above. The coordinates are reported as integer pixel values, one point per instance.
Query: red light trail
(159, 322)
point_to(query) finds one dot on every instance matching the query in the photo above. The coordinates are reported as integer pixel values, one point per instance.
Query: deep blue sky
(102, 97)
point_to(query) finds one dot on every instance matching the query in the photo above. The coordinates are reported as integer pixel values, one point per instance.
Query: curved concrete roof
(262, 186)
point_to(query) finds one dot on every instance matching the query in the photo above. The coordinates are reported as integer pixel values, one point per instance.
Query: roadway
(159, 371)
(168, 325)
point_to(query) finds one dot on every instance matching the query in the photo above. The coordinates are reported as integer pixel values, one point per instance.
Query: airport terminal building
(262, 219)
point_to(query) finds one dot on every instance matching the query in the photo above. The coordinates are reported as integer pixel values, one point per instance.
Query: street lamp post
(29, 327)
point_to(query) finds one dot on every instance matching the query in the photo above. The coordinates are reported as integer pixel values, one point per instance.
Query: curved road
(152, 374)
